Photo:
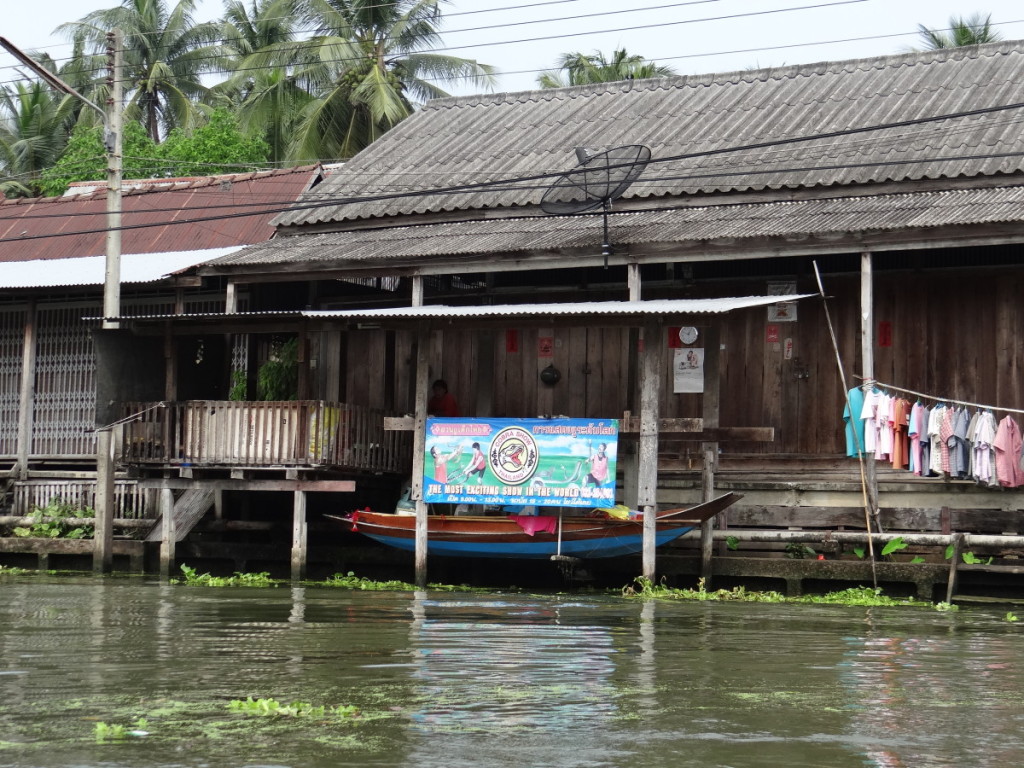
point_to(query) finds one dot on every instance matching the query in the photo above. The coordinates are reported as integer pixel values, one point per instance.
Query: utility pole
(112, 141)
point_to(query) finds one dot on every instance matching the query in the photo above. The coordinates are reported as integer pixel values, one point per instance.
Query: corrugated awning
(447, 316)
(90, 270)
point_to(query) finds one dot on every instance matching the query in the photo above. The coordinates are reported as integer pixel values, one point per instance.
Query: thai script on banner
(521, 462)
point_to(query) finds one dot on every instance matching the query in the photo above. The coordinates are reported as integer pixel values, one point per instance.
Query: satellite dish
(595, 182)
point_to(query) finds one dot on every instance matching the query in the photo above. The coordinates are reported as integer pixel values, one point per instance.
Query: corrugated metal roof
(45, 228)
(855, 215)
(579, 309)
(90, 270)
(573, 309)
(476, 139)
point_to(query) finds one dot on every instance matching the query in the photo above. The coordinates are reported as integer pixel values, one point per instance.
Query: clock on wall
(687, 334)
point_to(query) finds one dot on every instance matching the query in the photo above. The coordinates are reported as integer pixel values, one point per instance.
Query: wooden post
(954, 561)
(647, 471)
(167, 533)
(102, 559)
(418, 446)
(26, 401)
(712, 398)
(299, 536)
(103, 541)
(867, 348)
(629, 462)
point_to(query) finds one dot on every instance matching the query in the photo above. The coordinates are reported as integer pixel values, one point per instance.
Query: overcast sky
(521, 37)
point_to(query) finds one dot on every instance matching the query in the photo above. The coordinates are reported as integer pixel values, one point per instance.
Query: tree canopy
(969, 30)
(582, 69)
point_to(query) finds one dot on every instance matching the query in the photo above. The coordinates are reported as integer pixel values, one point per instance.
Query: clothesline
(941, 399)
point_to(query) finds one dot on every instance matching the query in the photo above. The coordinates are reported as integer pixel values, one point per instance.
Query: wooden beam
(709, 449)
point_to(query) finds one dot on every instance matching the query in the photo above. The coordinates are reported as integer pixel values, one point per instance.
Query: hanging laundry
(854, 425)
(934, 425)
(868, 415)
(1007, 446)
(900, 421)
(959, 450)
(984, 451)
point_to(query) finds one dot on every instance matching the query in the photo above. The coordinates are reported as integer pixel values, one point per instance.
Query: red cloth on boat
(533, 523)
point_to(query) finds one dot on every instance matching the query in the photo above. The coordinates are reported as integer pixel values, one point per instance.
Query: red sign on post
(771, 334)
(545, 346)
(885, 334)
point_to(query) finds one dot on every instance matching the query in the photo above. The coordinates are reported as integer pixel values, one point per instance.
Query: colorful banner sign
(521, 462)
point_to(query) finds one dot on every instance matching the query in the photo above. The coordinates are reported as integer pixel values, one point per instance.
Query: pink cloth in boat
(533, 523)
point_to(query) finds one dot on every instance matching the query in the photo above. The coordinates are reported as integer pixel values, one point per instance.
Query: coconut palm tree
(165, 55)
(266, 98)
(33, 133)
(581, 69)
(962, 31)
(368, 66)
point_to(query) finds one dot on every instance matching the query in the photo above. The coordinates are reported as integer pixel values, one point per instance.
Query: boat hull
(504, 537)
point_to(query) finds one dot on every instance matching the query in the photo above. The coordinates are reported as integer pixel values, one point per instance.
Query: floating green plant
(193, 579)
(105, 733)
(273, 708)
(859, 596)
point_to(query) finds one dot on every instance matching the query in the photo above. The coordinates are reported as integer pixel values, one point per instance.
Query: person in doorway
(598, 467)
(441, 463)
(441, 402)
(476, 466)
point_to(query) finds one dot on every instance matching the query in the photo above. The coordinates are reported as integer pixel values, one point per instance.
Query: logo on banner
(513, 455)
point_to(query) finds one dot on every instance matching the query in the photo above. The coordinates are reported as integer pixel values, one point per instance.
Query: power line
(537, 177)
(300, 45)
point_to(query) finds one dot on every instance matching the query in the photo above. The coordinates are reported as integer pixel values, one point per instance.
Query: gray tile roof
(793, 219)
(470, 140)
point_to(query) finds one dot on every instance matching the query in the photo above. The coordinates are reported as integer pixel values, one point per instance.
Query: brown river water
(494, 679)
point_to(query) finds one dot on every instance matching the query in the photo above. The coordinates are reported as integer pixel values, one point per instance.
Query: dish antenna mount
(599, 179)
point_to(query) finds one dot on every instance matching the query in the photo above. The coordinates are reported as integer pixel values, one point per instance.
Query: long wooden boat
(539, 537)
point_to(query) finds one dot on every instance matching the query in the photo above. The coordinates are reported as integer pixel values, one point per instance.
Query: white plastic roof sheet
(654, 307)
(90, 270)
(497, 311)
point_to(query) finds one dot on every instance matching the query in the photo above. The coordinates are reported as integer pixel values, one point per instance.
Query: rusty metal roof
(794, 220)
(74, 226)
(478, 139)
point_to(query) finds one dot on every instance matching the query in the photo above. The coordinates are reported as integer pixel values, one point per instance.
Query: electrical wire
(297, 206)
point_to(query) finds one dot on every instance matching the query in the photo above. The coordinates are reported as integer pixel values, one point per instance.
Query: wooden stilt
(419, 440)
(954, 561)
(647, 472)
(168, 534)
(299, 537)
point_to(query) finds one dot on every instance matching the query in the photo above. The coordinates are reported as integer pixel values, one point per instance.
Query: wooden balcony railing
(300, 433)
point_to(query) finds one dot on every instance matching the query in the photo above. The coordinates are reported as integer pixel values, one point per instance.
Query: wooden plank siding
(954, 333)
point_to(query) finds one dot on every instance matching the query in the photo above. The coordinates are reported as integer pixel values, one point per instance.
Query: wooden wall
(951, 333)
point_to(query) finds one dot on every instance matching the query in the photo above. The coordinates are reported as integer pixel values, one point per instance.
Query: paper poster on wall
(784, 311)
(521, 462)
(688, 370)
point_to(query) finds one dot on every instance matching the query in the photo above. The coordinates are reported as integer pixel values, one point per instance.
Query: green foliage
(105, 733)
(193, 579)
(855, 596)
(273, 708)
(917, 559)
(860, 552)
(895, 545)
(278, 378)
(1011, 616)
(580, 69)
(970, 558)
(732, 543)
(239, 386)
(796, 550)
(55, 521)
(84, 159)
(351, 581)
(216, 147)
(945, 607)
